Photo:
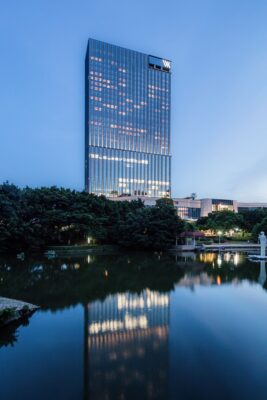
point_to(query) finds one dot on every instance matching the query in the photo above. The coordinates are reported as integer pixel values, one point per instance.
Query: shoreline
(12, 310)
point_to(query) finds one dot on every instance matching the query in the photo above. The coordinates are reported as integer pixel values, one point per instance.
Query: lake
(136, 326)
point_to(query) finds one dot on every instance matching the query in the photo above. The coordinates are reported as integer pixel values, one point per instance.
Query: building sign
(166, 64)
(159, 63)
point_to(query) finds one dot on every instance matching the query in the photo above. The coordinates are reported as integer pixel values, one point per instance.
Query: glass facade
(222, 204)
(127, 122)
(188, 212)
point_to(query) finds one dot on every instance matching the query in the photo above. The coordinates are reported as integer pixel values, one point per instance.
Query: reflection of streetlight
(236, 259)
(227, 257)
(219, 236)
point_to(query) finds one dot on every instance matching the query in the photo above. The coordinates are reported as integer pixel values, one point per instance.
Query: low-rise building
(192, 209)
(212, 205)
(250, 206)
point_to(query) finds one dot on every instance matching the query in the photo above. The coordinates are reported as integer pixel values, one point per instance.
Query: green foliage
(252, 217)
(152, 227)
(221, 220)
(219, 240)
(249, 222)
(6, 314)
(204, 241)
(33, 219)
(259, 227)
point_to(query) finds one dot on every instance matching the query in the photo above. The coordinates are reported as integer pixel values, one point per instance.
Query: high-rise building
(127, 122)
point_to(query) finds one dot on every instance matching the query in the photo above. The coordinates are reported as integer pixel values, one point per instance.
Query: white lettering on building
(166, 64)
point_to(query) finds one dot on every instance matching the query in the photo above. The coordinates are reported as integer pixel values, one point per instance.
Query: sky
(218, 50)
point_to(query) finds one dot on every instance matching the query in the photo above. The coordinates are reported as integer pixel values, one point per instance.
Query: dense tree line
(247, 221)
(33, 219)
(221, 220)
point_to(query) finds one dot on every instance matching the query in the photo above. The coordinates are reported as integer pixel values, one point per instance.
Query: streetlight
(237, 231)
(89, 240)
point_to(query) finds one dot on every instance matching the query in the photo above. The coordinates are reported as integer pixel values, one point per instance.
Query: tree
(220, 220)
(32, 219)
(151, 227)
(259, 227)
(11, 230)
(252, 217)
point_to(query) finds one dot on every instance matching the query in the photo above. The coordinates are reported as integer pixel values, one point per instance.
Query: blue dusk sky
(219, 88)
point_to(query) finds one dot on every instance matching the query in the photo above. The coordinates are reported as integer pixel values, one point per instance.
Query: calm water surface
(135, 326)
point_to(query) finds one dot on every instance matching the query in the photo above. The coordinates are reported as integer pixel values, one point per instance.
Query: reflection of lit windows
(146, 299)
(128, 323)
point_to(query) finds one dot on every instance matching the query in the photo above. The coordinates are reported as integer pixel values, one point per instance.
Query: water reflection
(191, 281)
(9, 335)
(228, 257)
(150, 325)
(127, 336)
(60, 283)
(262, 276)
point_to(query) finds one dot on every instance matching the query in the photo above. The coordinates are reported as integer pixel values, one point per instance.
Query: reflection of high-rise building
(127, 122)
(128, 346)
